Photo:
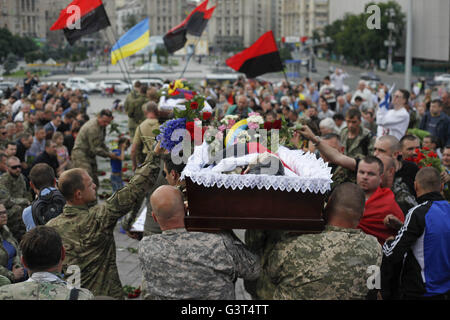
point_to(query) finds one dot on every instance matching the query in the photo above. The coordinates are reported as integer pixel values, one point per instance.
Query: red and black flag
(80, 18)
(194, 24)
(262, 57)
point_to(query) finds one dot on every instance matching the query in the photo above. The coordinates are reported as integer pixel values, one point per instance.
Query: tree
(356, 42)
(10, 63)
(129, 22)
(285, 54)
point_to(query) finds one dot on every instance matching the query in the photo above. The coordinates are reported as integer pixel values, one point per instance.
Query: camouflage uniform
(328, 266)
(361, 146)
(90, 142)
(403, 196)
(87, 232)
(5, 234)
(15, 197)
(261, 243)
(4, 281)
(342, 175)
(133, 107)
(178, 264)
(42, 286)
(144, 138)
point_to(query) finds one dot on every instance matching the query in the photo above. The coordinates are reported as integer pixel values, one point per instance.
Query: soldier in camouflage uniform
(261, 243)
(87, 232)
(403, 196)
(15, 197)
(16, 272)
(144, 137)
(357, 140)
(331, 265)
(4, 281)
(41, 248)
(190, 265)
(133, 107)
(90, 142)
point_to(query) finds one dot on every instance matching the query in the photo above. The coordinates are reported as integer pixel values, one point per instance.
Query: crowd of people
(381, 209)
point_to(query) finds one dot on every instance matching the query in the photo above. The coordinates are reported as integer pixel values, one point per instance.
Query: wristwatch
(316, 144)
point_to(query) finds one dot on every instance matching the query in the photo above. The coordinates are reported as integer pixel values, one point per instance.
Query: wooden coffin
(213, 208)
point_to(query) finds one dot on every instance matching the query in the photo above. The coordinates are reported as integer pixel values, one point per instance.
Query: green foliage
(285, 54)
(16, 45)
(10, 63)
(356, 42)
(130, 22)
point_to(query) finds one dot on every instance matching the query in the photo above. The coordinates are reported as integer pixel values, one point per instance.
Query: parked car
(155, 82)
(152, 67)
(119, 86)
(82, 84)
(442, 79)
(5, 85)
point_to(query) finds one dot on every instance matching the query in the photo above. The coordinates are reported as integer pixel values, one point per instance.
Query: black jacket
(423, 240)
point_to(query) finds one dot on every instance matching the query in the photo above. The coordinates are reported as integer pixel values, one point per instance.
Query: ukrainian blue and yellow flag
(136, 39)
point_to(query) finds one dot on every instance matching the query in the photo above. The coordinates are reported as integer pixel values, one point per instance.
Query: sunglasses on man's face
(16, 167)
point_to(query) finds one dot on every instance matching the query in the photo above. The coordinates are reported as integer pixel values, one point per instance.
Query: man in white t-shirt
(363, 92)
(337, 80)
(395, 121)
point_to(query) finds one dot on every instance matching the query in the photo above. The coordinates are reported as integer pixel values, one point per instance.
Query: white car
(442, 79)
(151, 67)
(82, 84)
(119, 86)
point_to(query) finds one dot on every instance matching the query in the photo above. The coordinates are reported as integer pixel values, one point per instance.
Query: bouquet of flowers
(191, 118)
(426, 158)
(178, 89)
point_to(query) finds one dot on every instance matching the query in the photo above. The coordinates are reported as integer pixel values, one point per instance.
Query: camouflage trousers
(80, 160)
(15, 223)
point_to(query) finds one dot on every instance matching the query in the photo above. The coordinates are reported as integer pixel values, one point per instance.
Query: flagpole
(123, 58)
(112, 44)
(189, 59)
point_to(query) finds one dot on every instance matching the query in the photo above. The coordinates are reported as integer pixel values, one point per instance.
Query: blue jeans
(116, 182)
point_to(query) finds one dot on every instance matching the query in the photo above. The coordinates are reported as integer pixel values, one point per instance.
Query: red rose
(433, 155)
(417, 151)
(194, 93)
(194, 105)
(277, 124)
(207, 115)
(124, 169)
(190, 127)
(268, 125)
(426, 149)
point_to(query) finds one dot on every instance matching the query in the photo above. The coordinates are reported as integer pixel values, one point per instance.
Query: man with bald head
(422, 245)
(178, 264)
(331, 265)
(87, 231)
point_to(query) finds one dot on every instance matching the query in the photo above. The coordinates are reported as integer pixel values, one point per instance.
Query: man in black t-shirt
(29, 82)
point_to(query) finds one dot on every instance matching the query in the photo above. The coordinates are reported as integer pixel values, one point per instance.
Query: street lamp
(390, 43)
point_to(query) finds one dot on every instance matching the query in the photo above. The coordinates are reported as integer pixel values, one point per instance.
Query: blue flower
(167, 130)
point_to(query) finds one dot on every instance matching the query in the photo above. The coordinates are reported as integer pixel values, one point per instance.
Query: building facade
(131, 11)
(301, 17)
(23, 17)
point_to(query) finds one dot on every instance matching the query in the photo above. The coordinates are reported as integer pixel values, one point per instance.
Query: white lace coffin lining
(308, 173)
